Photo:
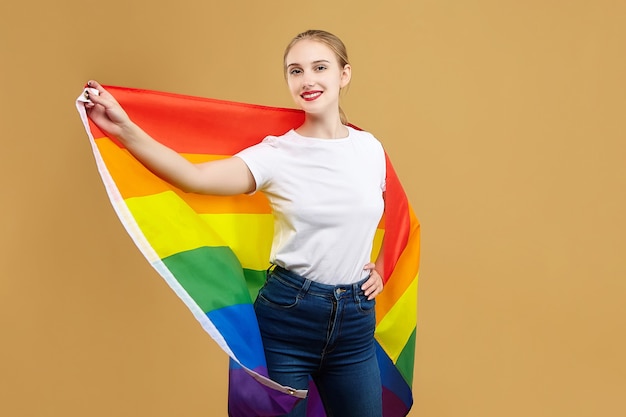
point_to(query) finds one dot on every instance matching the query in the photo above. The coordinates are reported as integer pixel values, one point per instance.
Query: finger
(95, 84)
(95, 95)
(371, 295)
(373, 286)
(376, 291)
(370, 285)
(370, 266)
(102, 93)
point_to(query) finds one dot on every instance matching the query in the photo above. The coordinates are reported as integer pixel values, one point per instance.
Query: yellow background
(504, 119)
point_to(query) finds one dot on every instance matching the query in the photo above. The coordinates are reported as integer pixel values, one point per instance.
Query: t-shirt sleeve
(257, 158)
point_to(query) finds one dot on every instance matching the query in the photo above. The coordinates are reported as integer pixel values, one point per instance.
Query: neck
(323, 128)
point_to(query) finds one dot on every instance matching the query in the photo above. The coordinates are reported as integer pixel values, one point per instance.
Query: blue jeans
(323, 332)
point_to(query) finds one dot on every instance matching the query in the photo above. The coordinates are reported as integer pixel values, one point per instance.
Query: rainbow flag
(214, 251)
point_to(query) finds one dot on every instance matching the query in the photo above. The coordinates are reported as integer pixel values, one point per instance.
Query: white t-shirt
(327, 200)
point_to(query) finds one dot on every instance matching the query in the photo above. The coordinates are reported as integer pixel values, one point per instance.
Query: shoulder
(267, 143)
(275, 141)
(270, 151)
(363, 135)
(366, 138)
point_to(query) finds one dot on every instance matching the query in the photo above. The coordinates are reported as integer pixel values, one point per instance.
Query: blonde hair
(333, 42)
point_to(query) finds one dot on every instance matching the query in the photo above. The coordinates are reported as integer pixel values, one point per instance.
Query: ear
(346, 75)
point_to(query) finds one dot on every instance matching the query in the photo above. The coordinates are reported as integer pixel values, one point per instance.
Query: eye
(295, 71)
(320, 68)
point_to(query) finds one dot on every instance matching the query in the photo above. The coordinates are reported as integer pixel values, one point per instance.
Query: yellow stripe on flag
(377, 245)
(171, 226)
(395, 329)
(248, 235)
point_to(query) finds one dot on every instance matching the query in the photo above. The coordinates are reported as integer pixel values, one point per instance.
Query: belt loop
(305, 288)
(355, 291)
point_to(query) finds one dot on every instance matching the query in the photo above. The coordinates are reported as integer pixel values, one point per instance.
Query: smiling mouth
(311, 95)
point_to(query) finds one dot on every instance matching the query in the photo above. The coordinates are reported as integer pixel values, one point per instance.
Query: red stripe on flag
(397, 221)
(182, 122)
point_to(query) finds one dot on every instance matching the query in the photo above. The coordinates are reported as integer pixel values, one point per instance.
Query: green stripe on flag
(212, 276)
(255, 280)
(406, 359)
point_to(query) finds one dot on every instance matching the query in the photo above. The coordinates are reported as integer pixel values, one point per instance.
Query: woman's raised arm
(222, 177)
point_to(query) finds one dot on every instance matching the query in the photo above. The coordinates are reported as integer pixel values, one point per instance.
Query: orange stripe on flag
(134, 180)
(403, 274)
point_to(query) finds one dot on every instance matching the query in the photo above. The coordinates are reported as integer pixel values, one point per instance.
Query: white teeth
(311, 95)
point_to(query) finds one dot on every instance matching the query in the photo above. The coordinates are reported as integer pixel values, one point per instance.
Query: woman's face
(315, 77)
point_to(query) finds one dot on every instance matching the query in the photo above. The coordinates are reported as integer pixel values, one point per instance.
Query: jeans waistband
(308, 286)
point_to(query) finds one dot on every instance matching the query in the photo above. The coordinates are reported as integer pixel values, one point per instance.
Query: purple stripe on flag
(247, 397)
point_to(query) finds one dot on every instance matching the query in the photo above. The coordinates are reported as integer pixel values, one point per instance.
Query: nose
(308, 82)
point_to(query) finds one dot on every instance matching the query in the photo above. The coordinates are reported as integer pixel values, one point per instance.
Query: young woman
(325, 183)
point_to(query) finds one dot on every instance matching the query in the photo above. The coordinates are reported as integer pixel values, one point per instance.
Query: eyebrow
(312, 63)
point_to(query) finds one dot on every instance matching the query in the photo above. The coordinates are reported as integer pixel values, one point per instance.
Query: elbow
(187, 187)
